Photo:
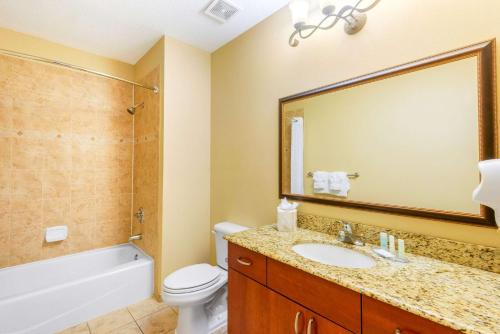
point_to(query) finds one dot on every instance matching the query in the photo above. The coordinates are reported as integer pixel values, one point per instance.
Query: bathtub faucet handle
(139, 215)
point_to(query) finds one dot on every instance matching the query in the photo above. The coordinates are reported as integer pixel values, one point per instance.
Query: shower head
(131, 110)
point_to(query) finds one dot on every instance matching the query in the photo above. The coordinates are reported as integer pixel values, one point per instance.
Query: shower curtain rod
(155, 89)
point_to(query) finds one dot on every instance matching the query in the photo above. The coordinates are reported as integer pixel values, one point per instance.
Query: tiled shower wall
(66, 146)
(147, 165)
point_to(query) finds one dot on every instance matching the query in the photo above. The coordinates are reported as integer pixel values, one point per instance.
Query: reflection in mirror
(410, 140)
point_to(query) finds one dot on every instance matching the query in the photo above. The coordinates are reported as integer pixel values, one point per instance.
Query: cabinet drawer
(336, 303)
(248, 263)
(382, 318)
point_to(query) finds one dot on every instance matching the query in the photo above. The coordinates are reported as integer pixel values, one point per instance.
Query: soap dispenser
(287, 216)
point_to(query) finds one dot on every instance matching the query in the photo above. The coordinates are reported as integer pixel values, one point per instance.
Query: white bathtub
(48, 296)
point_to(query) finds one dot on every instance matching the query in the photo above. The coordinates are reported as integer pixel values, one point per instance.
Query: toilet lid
(192, 278)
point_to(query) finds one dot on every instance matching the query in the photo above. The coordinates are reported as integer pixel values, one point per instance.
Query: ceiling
(126, 29)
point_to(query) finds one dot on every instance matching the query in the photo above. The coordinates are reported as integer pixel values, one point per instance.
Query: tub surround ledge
(463, 298)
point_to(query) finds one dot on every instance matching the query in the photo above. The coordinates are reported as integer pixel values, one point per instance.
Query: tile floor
(146, 317)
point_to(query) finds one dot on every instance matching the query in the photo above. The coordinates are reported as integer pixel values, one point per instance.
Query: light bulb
(327, 6)
(300, 11)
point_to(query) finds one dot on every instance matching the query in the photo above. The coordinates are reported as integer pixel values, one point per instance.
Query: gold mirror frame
(485, 53)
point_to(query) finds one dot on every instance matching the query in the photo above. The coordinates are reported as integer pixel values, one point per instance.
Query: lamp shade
(488, 191)
(299, 9)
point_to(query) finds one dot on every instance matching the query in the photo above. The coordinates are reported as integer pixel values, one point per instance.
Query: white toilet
(199, 291)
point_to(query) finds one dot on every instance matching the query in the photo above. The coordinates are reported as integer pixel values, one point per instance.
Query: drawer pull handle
(397, 331)
(310, 326)
(298, 316)
(244, 262)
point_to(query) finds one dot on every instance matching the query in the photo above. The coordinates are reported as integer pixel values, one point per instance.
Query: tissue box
(287, 220)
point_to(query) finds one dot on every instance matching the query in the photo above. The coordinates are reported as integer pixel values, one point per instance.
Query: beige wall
(186, 156)
(65, 159)
(420, 128)
(252, 72)
(19, 42)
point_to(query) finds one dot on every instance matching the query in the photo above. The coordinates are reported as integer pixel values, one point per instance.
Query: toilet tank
(220, 230)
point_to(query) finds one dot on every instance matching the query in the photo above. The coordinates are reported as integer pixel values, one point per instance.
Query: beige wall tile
(5, 151)
(83, 121)
(81, 237)
(146, 169)
(56, 211)
(26, 182)
(4, 247)
(56, 183)
(5, 181)
(57, 154)
(83, 210)
(28, 220)
(26, 245)
(54, 249)
(83, 183)
(6, 111)
(83, 155)
(27, 153)
(53, 158)
(25, 203)
(111, 232)
(4, 213)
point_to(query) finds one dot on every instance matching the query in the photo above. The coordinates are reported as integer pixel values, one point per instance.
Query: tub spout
(135, 237)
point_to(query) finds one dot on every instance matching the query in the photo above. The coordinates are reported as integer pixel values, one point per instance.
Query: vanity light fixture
(351, 12)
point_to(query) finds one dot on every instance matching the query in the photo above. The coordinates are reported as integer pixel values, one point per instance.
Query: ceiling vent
(222, 10)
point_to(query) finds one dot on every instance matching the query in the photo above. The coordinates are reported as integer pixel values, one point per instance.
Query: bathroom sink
(333, 255)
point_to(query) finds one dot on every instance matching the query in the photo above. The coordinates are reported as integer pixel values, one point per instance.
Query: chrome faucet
(135, 237)
(347, 236)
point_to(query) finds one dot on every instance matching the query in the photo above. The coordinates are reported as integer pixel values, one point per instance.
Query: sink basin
(333, 255)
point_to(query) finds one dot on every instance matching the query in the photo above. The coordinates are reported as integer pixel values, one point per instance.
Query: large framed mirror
(404, 140)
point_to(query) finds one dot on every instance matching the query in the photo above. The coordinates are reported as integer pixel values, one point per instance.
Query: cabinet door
(332, 301)
(248, 305)
(381, 318)
(287, 317)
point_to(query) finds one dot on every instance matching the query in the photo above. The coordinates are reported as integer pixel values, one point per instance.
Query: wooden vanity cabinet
(256, 309)
(382, 318)
(270, 297)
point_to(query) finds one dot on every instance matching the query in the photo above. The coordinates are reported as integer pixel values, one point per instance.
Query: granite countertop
(463, 298)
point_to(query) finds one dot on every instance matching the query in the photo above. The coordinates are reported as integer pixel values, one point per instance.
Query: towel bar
(351, 176)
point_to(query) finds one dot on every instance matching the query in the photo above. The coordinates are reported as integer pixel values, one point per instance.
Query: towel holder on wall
(351, 176)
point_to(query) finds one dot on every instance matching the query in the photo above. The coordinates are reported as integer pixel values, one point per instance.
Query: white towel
(338, 184)
(297, 156)
(320, 182)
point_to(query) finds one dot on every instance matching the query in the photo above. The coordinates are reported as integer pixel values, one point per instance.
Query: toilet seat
(191, 279)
